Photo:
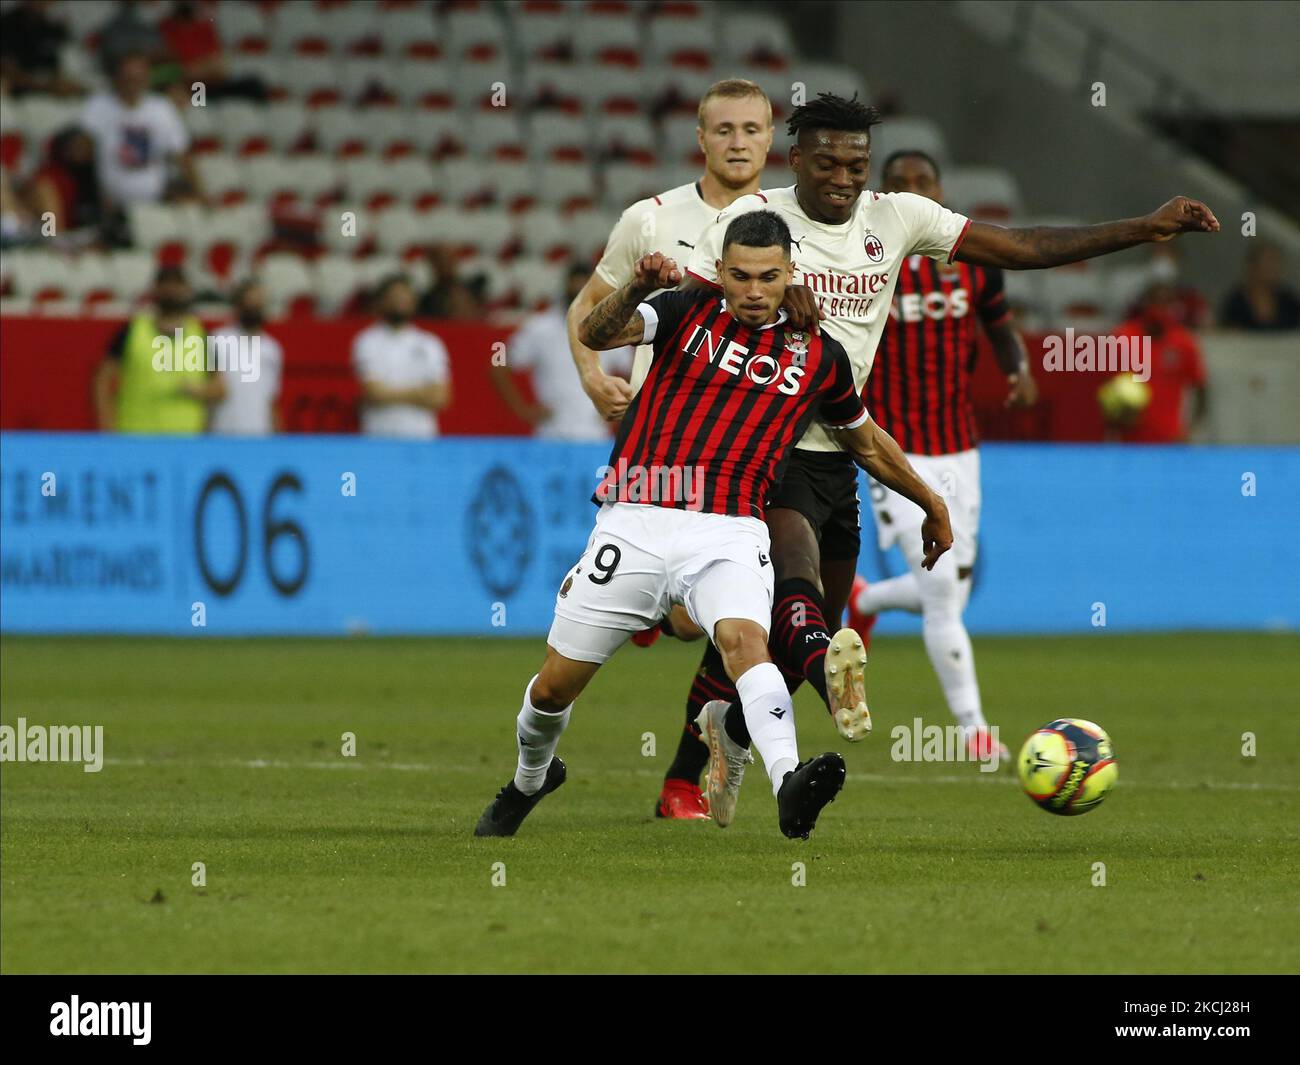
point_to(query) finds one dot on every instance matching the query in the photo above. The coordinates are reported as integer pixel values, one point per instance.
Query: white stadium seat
(906, 133)
(987, 193)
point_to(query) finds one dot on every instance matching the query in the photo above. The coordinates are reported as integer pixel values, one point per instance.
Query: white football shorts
(643, 558)
(956, 478)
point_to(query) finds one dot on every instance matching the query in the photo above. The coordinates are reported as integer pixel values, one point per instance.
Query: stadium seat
(485, 84)
(436, 133)
(313, 180)
(565, 184)
(289, 285)
(302, 29)
(241, 126)
(986, 193)
(544, 30)
(401, 228)
(677, 89)
(427, 83)
(474, 33)
(906, 132)
(153, 224)
(545, 234)
(244, 227)
(625, 183)
(538, 284)
(558, 86)
(240, 23)
(756, 38)
(267, 68)
(410, 32)
(1076, 299)
(315, 80)
(628, 137)
(223, 178)
(617, 90)
(590, 230)
(496, 134)
(555, 135)
(131, 273)
(608, 38)
(678, 136)
(344, 131)
(287, 124)
(338, 279)
(42, 117)
(368, 79)
(678, 41)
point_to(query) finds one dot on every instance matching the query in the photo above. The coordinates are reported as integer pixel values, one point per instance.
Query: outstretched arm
(879, 454)
(615, 321)
(1043, 246)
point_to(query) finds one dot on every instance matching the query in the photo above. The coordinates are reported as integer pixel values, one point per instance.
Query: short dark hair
(910, 153)
(758, 229)
(829, 111)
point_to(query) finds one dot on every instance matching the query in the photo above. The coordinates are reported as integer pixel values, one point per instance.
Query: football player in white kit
(849, 243)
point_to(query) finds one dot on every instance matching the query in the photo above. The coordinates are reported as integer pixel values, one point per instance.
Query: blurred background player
(919, 393)
(132, 395)
(1177, 374)
(251, 406)
(735, 134)
(405, 372)
(540, 347)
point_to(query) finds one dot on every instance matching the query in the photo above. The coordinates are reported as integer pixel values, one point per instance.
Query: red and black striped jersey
(722, 407)
(919, 388)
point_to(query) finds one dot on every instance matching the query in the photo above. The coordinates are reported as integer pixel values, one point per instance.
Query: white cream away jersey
(851, 267)
(668, 223)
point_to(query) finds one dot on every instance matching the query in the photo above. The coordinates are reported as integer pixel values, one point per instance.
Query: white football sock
(948, 644)
(769, 716)
(896, 593)
(536, 736)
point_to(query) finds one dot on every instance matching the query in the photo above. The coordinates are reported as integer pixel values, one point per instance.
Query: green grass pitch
(229, 753)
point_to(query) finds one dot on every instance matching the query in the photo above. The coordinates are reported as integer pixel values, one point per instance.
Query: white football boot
(846, 685)
(727, 761)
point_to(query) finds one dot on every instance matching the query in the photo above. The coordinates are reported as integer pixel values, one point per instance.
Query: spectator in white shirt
(405, 373)
(541, 346)
(138, 136)
(251, 406)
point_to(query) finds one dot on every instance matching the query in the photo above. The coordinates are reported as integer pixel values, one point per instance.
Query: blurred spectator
(449, 296)
(541, 346)
(191, 36)
(1262, 301)
(138, 135)
(144, 385)
(1188, 306)
(251, 405)
(405, 373)
(30, 40)
(18, 226)
(129, 33)
(1176, 368)
(67, 185)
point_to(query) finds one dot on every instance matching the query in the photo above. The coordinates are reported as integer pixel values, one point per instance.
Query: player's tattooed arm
(879, 454)
(615, 321)
(1039, 247)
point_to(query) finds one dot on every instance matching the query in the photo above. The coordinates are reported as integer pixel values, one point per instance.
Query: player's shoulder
(831, 347)
(675, 197)
(763, 200)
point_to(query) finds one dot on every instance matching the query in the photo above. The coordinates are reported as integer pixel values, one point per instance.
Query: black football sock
(710, 682)
(799, 639)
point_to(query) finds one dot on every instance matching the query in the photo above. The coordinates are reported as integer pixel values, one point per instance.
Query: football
(1068, 766)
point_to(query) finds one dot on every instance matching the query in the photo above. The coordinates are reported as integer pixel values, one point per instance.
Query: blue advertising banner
(332, 535)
